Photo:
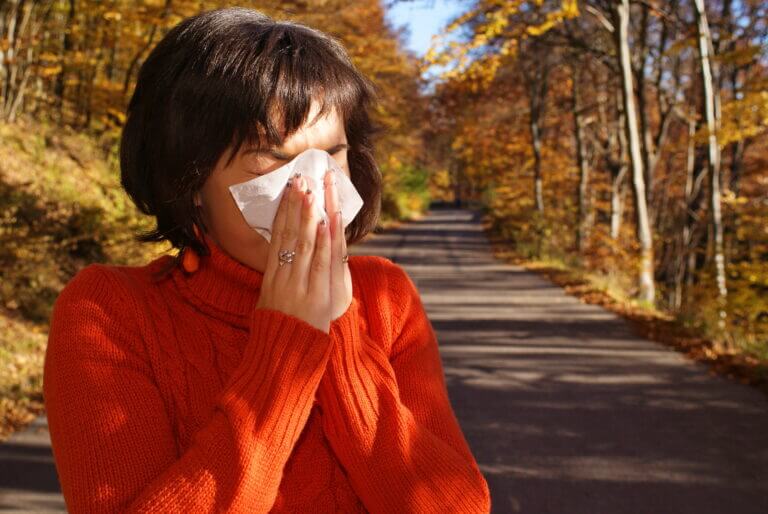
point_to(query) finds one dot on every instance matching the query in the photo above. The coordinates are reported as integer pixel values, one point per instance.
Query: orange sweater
(178, 396)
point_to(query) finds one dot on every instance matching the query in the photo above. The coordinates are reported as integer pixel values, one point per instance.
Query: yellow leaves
(431, 55)
(508, 47)
(48, 71)
(461, 20)
(568, 9)
(441, 178)
(730, 199)
(50, 64)
(680, 45)
(495, 37)
(739, 56)
(78, 57)
(742, 118)
(112, 16)
(49, 56)
(495, 19)
(120, 115)
(540, 29)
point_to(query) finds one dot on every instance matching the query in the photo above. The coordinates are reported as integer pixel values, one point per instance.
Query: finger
(332, 207)
(289, 232)
(339, 246)
(305, 243)
(331, 194)
(277, 225)
(343, 240)
(320, 272)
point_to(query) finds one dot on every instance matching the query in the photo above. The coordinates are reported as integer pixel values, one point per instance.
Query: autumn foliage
(583, 130)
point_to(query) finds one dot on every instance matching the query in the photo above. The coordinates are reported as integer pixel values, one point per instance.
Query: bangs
(278, 81)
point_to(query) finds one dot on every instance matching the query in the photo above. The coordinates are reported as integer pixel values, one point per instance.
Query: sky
(423, 18)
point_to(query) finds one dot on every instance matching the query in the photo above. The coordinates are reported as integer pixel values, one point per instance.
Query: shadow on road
(565, 408)
(28, 480)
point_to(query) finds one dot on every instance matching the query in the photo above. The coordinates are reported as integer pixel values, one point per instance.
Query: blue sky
(424, 18)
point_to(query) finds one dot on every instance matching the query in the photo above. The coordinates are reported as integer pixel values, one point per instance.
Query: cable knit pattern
(177, 395)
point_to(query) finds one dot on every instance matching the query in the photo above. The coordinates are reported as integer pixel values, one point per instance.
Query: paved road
(565, 409)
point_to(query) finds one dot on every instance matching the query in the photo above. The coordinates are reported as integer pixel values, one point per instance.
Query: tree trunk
(139, 55)
(617, 204)
(618, 172)
(535, 103)
(711, 115)
(646, 147)
(685, 237)
(582, 233)
(621, 38)
(65, 52)
(537, 182)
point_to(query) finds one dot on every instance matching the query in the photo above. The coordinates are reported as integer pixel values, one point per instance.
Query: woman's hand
(341, 278)
(301, 288)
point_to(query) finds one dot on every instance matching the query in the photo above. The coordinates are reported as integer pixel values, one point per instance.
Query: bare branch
(600, 17)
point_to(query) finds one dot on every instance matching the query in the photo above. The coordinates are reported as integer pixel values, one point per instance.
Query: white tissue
(259, 198)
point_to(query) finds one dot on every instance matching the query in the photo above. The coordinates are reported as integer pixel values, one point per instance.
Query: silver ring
(285, 256)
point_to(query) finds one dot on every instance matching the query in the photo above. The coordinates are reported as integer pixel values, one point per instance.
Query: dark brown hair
(213, 82)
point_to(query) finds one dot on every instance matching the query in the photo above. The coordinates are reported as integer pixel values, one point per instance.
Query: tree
(620, 13)
(712, 118)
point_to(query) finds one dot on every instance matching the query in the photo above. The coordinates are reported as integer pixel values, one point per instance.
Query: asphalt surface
(565, 409)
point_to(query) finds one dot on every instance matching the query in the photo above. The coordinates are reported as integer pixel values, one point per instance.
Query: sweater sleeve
(112, 438)
(390, 422)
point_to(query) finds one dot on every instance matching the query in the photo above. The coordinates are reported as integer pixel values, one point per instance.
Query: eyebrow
(279, 155)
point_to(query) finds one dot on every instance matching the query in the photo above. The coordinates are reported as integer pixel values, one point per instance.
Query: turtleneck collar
(222, 286)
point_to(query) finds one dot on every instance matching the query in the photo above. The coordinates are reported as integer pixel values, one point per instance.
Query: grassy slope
(61, 208)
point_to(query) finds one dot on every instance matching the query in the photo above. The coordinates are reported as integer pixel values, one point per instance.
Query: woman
(227, 379)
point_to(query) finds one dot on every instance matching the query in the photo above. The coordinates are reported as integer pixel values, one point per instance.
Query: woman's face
(224, 222)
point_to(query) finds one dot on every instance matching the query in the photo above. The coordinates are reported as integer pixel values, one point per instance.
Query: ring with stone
(285, 256)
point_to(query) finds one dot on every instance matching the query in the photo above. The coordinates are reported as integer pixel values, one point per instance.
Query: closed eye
(333, 151)
(276, 156)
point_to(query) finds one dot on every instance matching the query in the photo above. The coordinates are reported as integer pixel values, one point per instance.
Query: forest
(624, 140)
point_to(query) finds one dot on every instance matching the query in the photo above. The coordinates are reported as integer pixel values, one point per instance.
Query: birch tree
(621, 15)
(711, 116)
